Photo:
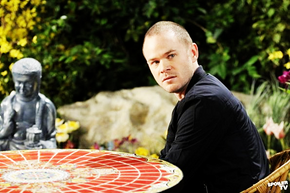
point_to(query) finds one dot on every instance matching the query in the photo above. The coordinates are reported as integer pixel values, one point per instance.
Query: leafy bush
(86, 46)
(18, 18)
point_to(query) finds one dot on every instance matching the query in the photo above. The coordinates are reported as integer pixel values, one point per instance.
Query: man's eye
(155, 62)
(171, 56)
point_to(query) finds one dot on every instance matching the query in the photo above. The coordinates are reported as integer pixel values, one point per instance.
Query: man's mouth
(168, 78)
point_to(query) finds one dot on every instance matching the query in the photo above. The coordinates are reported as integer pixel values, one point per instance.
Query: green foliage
(270, 101)
(87, 46)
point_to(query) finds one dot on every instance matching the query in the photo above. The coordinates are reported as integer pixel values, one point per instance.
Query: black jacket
(213, 141)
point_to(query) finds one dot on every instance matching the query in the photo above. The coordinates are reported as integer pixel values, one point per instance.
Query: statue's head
(26, 74)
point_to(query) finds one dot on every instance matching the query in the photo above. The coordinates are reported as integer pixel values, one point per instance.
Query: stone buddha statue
(27, 117)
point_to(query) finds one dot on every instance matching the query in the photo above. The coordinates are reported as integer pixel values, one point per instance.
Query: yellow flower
(52, 35)
(30, 24)
(5, 47)
(34, 39)
(287, 65)
(1, 12)
(271, 56)
(3, 2)
(16, 54)
(58, 122)
(63, 128)
(35, 2)
(10, 67)
(72, 126)
(24, 2)
(278, 54)
(21, 21)
(4, 73)
(142, 151)
(275, 55)
(154, 156)
(22, 42)
(61, 137)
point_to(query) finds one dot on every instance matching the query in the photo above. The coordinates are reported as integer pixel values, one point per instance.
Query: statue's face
(26, 86)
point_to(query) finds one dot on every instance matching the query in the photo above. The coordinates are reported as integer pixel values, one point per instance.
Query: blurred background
(88, 46)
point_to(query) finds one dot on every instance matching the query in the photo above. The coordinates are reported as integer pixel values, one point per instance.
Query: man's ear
(194, 52)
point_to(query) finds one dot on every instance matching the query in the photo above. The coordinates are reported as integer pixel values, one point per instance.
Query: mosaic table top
(78, 170)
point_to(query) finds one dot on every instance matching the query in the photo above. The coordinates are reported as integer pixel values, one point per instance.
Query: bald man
(210, 136)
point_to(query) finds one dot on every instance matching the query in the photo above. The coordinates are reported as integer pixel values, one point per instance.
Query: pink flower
(267, 126)
(96, 146)
(273, 128)
(278, 131)
(285, 77)
(69, 145)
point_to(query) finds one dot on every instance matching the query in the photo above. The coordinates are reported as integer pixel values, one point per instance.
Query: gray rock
(143, 112)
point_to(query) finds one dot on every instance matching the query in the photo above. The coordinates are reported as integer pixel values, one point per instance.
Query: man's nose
(164, 66)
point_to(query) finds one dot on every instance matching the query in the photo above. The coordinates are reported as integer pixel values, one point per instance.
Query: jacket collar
(198, 75)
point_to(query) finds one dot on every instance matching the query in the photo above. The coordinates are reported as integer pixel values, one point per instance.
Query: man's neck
(180, 96)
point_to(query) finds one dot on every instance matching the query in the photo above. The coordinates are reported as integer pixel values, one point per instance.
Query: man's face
(171, 61)
(26, 86)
